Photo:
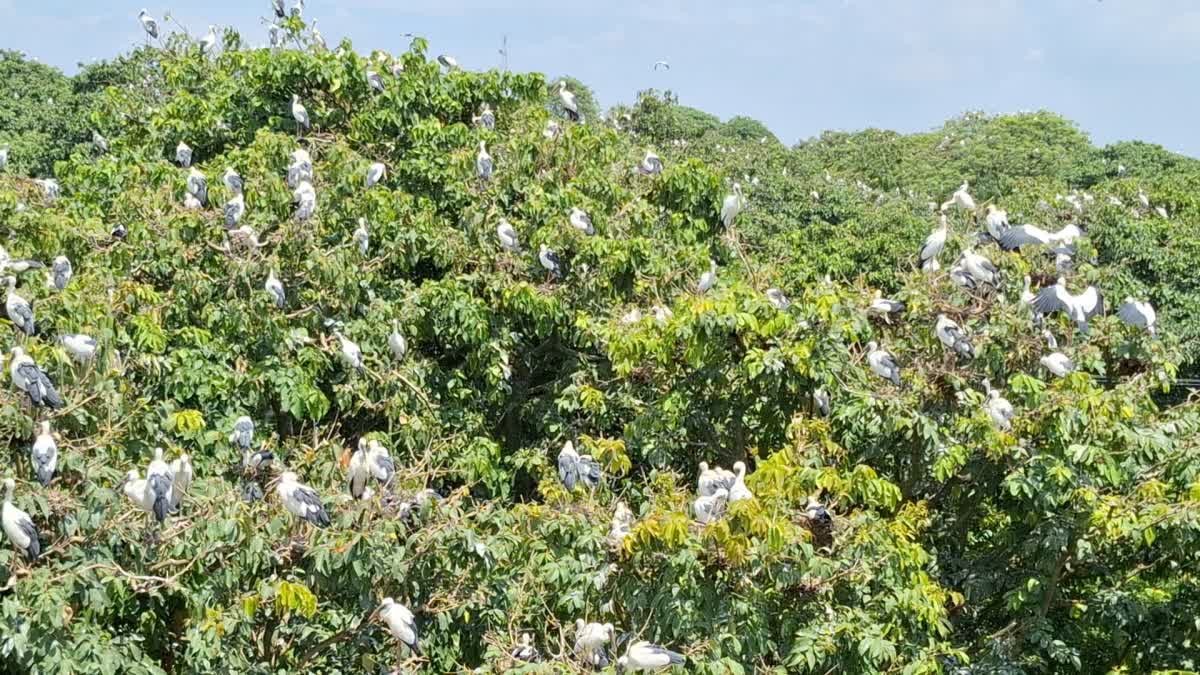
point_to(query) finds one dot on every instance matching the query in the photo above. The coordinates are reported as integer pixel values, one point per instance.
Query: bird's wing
(933, 246)
(1128, 312)
(1048, 301)
(29, 372)
(1091, 301)
(567, 470)
(1023, 235)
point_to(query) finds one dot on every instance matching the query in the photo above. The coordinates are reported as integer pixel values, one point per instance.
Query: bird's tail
(895, 378)
(320, 518)
(44, 475)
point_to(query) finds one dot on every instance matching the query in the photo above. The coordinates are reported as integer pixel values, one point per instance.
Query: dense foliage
(1066, 543)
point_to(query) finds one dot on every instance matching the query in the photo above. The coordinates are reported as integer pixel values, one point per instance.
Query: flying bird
(1017, 237)
(662, 64)
(1079, 308)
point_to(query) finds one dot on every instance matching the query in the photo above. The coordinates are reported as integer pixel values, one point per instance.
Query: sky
(1121, 69)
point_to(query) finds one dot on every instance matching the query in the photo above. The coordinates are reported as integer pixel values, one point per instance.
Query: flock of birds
(160, 493)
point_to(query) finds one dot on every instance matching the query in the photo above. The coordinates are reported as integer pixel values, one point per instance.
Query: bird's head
(9, 485)
(11, 281)
(158, 454)
(622, 664)
(739, 467)
(45, 428)
(872, 346)
(288, 477)
(703, 467)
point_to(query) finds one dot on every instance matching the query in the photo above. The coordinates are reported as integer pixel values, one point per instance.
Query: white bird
(305, 197)
(233, 181)
(1079, 308)
(81, 347)
(191, 203)
(234, 210)
(508, 236)
(18, 526)
(375, 173)
(300, 169)
(1161, 211)
(359, 471)
(632, 316)
(49, 187)
(574, 468)
(590, 639)
(711, 480)
(277, 5)
(29, 378)
(374, 80)
(197, 185)
(362, 237)
(525, 651)
(159, 484)
(383, 469)
(979, 268)
(274, 287)
(551, 262)
(17, 266)
(662, 64)
(181, 479)
(961, 198)
(400, 623)
(483, 163)
(99, 141)
(884, 307)
(318, 40)
(651, 165)
(396, 342)
(998, 408)
(960, 278)
(486, 118)
(209, 40)
(1026, 235)
(1143, 199)
(934, 243)
(710, 508)
(184, 155)
(821, 402)
(1058, 363)
(581, 221)
(739, 491)
(662, 314)
(777, 299)
(622, 524)
(137, 490)
(299, 113)
(997, 222)
(883, 363)
(1140, 314)
(642, 655)
(3, 156)
(148, 24)
(732, 206)
(44, 455)
(448, 62)
(300, 500)
(350, 353)
(953, 337)
(242, 435)
(18, 309)
(708, 279)
(567, 98)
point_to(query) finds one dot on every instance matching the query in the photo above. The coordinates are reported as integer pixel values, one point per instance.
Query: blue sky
(1122, 69)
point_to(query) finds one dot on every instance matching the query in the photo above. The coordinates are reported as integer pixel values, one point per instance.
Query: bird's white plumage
(44, 454)
(882, 363)
(508, 236)
(739, 492)
(400, 622)
(732, 206)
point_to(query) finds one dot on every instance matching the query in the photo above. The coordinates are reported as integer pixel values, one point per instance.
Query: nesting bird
(301, 501)
(933, 245)
(574, 468)
(18, 526)
(483, 163)
(44, 455)
(882, 363)
(953, 337)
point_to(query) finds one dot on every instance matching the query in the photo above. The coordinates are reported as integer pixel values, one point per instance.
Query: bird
(710, 508)
(362, 237)
(1058, 363)
(953, 337)
(581, 221)
(18, 526)
(448, 62)
(318, 40)
(159, 482)
(651, 165)
(884, 307)
(739, 491)
(29, 378)
(191, 203)
(1031, 235)
(979, 268)
(197, 185)
(99, 141)
(375, 173)
(300, 169)
(81, 347)
(350, 352)
(777, 299)
(1140, 314)
(44, 455)
(18, 309)
(820, 523)
(234, 210)
(148, 24)
(274, 287)
(508, 236)
(397, 344)
(184, 155)
(233, 181)
(299, 113)
(997, 222)
(486, 118)
(642, 655)
(732, 206)
(632, 316)
(883, 363)
(209, 40)
(551, 262)
(300, 500)
(243, 237)
(711, 480)
(525, 651)
(374, 80)
(1161, 211)
(359, 471)
(17, 265)
(50, 188)
(961, 198)
(3, 156)
(960, 278)
(622, 524)
(1143, 199)
(305, 197)
(483, 163)
(934, 243)
(662, 314)
(998, 408)
(380, 463)
(137, 490)
(821, 402)
(590, 639)
(181, 474)
(574, 468)
(662, 64)
(1079, 308)
(242, 435)
(60, 273)
(567, 98)
(400, 623)
(277, 5)
(708, 279)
